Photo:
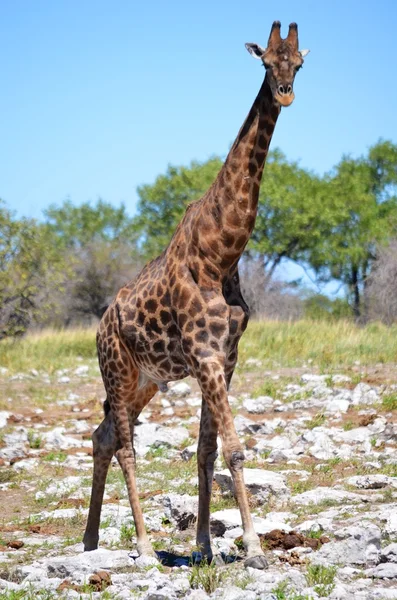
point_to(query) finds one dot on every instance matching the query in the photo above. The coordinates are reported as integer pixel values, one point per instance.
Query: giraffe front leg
(206, 455)
(214, 390)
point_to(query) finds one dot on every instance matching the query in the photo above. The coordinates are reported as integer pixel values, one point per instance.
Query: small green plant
(321, 579)
(315, 535)
(55, 456)
(348, 426)
(268, 388)
(127, 532)
(207, 577)
(389, 402)
(316, 421)
(280, 591)
(373, 442)
(34, 439)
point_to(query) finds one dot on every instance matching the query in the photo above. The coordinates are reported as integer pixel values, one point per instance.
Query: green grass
(389, 402)
(206, 577)
(321, 579)
(47, 350)
(326, 344)
(316, 421)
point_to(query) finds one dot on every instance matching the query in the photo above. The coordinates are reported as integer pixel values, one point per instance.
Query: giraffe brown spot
(159, 290)
(165, 317)
(184, 298)
(166, 299)
(260, 157)
(262, 142)
(182, 320)
(217, 329)
(187, 344)
(217, 310)
(141, 318)
(159, 346)
(172, 330)
(172, 280)
(245, 188)
(201, 336)
(233, 326)
(240, 242)
(215, 346)
(189, 327)
(227, 239)
(195, 307)
(154, 326)
(216, 213)
(200, 322)
(151, 305)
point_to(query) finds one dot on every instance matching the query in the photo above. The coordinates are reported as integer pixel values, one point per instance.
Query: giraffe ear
(255, 50)
(304, 53)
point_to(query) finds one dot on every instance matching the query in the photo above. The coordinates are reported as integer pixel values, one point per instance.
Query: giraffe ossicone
(184, 315)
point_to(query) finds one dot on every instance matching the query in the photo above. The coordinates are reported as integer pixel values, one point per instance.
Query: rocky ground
(321, 471)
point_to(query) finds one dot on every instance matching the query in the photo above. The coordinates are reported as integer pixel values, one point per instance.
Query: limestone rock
(262, 484)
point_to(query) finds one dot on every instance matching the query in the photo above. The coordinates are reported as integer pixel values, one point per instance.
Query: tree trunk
(356, 293)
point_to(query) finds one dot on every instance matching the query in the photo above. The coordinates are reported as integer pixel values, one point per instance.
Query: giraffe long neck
(229, 209)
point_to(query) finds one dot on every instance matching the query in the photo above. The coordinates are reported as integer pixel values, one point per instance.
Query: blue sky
(98, 97)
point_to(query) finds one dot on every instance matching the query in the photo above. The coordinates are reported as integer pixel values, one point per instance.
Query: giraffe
(184, 315)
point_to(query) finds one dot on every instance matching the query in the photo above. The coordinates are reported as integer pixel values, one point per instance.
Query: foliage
(321, 579)
(322, 308)
(31, 268)
(77, 226)
(161, 205)
(207, 577)
(363, 193)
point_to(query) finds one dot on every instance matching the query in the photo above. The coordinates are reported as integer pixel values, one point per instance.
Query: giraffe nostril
(280, 89)
(289, 89)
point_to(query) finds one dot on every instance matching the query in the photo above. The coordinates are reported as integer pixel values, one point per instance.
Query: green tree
(31, 270)
(77, 226)
(363, 194)
(162, 204)
(294, 213)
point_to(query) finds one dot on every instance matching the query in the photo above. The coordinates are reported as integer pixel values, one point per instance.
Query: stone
(383, 571)
(389, 553)
(258, 405)
(262, 484)
(188, 452)
(391, 523)
(336, 405)
(181, 509)
(364, 394)
(231, 518)
(149, 435)
(354, 545)
(4, 415)
(56, 438)
(372, 482)
(180, 389)
(322, 494)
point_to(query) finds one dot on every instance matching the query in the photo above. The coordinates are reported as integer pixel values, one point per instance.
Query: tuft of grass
(316, 421)
(206, 577)
(348, 426)
(321, 579)
(34, 439)
(268, 388)
(389, 402)
(127, 532)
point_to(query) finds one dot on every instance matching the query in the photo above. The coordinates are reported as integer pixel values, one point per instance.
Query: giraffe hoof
(256, 562)
(89, 546)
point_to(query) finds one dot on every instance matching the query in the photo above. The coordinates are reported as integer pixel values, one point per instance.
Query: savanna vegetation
(62, 270)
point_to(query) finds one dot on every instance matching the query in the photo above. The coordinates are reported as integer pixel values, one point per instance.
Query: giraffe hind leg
(104, 446)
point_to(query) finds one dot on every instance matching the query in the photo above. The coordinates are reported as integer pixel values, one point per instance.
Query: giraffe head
(282, 59)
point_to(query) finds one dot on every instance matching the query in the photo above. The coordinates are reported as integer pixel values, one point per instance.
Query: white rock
(364, 394)
(87, 562)
(383, 571)
(188, 452)
(323, 448)
(322, 494)
(389, 554)
(372, 482)
(153, 434)
(258, 405)
(81, 370)
(64, 379)
(180, 389)
(181, 508)
(4, 415)
(355, 545)
(391, 524)
(312, 378)
(262, 484)
(56, 439)
(26, 464)
(336, 405)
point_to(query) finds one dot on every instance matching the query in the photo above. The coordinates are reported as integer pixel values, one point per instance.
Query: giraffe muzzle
(285, 95)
